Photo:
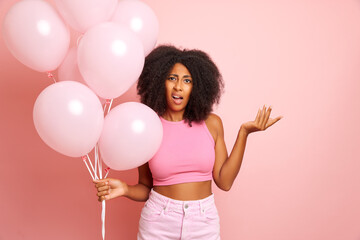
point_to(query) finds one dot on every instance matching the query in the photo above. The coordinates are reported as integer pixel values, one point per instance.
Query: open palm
(261, 122)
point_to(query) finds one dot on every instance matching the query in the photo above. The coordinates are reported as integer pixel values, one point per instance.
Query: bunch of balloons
(107, 61)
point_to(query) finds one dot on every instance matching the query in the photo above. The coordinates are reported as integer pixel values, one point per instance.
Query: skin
(179, 83)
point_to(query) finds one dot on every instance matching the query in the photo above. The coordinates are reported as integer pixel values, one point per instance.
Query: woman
(181, 86)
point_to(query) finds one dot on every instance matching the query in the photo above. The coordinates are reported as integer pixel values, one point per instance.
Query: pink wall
(299, 179)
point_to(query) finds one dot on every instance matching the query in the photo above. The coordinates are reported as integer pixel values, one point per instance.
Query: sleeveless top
(186, 154)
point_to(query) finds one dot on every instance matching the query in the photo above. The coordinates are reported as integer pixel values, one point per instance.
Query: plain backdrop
(299, 179)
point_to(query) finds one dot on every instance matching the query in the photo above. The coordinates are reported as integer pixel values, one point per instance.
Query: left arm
(227, 168)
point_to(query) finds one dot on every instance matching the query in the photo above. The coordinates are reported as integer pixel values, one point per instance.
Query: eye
(187, 80)
(172, 78)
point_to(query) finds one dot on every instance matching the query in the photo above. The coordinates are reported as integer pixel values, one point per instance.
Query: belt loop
(202, 210)
(166, 208)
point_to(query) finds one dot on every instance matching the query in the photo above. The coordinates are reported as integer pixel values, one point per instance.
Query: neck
(173, 116)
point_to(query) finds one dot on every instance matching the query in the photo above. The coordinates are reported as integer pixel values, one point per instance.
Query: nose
(178, 86)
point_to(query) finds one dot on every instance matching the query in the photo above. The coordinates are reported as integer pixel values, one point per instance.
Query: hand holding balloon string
(110, 188)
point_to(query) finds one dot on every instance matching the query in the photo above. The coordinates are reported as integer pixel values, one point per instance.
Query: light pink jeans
(165, 218)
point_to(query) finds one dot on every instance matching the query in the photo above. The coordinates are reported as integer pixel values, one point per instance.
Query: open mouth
(177, 97)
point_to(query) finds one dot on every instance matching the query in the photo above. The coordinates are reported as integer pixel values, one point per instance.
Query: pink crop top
(186, 154)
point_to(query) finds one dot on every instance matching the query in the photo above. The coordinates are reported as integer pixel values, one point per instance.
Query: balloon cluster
(107, 61)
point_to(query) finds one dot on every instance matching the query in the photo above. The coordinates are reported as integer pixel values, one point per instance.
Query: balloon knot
(50, 75)
(107, 169)
(84, 158)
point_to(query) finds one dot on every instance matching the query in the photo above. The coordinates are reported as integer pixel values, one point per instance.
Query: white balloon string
(99, 162)
(84, 160)
(100, 167)
(103, 202)
(105, 106)
(110, 106)
(78, 39)
(92, 166)
(107, 170)
(50, 75)
(96, 159)
(103, 218)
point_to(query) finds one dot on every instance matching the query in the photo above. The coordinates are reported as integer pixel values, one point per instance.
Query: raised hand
(261, 122)
(110, 188)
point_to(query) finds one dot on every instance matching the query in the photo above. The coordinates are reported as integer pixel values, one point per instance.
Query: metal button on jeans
(186, 206)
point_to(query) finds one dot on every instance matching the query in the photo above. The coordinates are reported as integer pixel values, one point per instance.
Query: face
(178, 87)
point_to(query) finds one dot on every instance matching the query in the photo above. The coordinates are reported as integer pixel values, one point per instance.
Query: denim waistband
(169, 204)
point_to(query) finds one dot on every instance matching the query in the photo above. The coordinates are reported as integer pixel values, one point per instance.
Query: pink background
(299, 179)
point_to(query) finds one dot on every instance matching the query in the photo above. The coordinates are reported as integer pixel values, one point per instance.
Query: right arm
(110, 188)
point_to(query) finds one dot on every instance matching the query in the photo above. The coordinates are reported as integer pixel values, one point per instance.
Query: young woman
(182, 86)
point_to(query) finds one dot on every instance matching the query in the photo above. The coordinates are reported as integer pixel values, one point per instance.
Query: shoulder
(214, 124)
(214, 120)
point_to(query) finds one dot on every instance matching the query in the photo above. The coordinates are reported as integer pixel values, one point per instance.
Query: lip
(176, 95)
(178, 100)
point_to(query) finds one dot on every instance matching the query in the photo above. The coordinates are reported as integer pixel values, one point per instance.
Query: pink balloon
(141, 19)
(69, 70)
(69, 118)
(84, 14)
(110, 58)
(131, 136)
(35, 35)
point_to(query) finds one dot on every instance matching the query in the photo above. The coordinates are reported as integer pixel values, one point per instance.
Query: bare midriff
(186, 191)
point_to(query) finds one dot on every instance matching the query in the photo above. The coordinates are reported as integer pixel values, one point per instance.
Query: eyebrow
(187, 76)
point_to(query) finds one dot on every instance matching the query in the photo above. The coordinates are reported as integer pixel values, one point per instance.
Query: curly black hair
(207, 81)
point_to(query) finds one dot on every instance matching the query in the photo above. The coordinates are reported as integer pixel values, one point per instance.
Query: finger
(98, 180)
(100, 189)
(101, 180)
(262, 117)
(101, 184)
(103, 193)
(102, 198)
(273, 121)
(268, 112)
(257, 116)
